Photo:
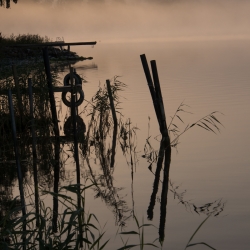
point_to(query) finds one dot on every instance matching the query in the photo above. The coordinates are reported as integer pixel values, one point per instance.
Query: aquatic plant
(140, 234)
(208, 122)
(69, 224)
(189, 244)
(100, 144)
(43, 237)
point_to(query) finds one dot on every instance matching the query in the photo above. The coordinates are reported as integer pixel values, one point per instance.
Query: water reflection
(93, 142)
(97, 147)
(100, 144)
(153, 158)
(162, 157)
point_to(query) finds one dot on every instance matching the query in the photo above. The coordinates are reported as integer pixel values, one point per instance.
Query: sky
(117, 22)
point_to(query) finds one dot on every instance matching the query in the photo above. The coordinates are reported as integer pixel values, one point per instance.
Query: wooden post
(73, 114)
(162, 120)
(165, 147)
(18, 94)
(34, 153)
(76, 153)
(19, 172)
(115, 123)
(150, 85)
(57, 137)
(19, 102)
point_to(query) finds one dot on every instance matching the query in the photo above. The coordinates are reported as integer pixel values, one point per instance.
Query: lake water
(202, 62)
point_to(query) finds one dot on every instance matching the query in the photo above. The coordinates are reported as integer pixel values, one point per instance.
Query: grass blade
(197, 230)
(200, 243)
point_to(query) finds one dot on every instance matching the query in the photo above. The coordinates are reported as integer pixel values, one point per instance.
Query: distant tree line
(6, 3)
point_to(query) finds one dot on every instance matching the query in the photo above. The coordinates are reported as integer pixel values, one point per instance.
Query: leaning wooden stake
(34, 153)
(115, 123)
(159, 100)
(19, 172)
(150, 85)
(57, 137)
(165, 148)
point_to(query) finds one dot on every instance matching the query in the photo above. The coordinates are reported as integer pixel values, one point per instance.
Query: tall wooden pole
(19, 171)
(17, 87)
(34, 152)
(76, 153)
(150, 85)
(57, 136)
(165, 147)
(111, 100)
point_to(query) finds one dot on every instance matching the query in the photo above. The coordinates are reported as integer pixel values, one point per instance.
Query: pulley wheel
(76, 78)
(66, 98)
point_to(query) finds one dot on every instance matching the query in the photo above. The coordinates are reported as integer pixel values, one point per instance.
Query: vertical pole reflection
(19, 171)
(164, 192)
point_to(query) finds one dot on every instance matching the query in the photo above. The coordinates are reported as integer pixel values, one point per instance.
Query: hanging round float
(76, 78)
(66, 95)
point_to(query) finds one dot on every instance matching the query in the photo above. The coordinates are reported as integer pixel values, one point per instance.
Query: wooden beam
(52, 44)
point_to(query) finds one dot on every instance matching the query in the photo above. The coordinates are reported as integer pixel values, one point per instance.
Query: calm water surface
(208, 76)
(208, 73)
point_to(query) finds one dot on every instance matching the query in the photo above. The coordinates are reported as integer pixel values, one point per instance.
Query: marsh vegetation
(71, 227)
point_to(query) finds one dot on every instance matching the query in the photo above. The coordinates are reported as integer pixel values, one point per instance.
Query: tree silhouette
(6, 3)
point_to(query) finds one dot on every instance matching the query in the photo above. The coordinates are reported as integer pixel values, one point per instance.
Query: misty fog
(125, 21)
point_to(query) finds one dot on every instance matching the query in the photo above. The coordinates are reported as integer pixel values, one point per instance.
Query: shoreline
(22, 55)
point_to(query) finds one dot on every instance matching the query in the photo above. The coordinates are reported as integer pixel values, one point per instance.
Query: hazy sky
(117, 22)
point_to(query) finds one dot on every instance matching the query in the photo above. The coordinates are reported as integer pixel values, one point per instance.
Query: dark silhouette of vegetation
(6, 3)
(106, 131)
(101, 128)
